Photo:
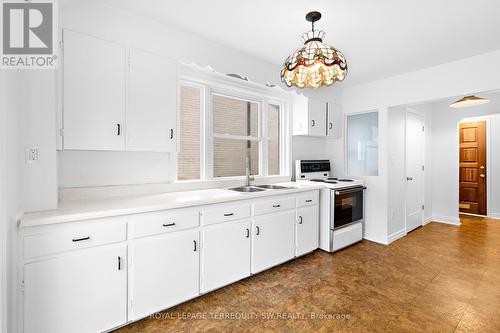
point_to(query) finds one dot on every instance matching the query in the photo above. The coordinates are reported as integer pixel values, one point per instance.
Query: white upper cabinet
(152, 103)
(85, 292)
(315, 117)
(117, 98)
(94, 93)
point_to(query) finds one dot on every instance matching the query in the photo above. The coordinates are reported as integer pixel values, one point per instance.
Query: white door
(307, 232)
(94, 93)
(415, 143)
(152, 103)
(273, 240)
(226, 254)
(317, 117)
(165, 272)
(83, 292)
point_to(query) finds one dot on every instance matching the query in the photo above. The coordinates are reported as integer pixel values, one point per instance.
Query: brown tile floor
(439, 278)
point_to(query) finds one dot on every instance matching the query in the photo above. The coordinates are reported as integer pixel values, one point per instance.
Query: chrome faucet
(249, 177)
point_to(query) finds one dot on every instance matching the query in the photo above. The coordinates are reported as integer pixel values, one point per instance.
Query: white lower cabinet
(165, 272)
(225, 254)
(83, 292)
(307, 231)
(273, 240)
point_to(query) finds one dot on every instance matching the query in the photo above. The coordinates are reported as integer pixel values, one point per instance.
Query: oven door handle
(354, 190)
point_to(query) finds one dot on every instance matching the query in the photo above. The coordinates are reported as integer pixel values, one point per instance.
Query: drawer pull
(248, 233)
(258, 230)
(309, 200)
(276, 206)
(300, 220)
(119, 263)
(168, 224)
(229, 214)
(195, 246)
(81, 239)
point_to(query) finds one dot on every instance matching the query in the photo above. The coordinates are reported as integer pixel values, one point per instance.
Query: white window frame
(219, 84)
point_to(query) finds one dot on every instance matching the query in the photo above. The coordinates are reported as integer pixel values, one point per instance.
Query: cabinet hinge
(61, 131)
(61, 44)
(423, 207)
(423, 167)
(22, 286)
(423, 128)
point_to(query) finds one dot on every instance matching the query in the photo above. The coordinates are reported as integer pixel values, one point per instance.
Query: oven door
(347, 206)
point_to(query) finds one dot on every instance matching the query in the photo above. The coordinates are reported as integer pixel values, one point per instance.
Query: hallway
(440, 278)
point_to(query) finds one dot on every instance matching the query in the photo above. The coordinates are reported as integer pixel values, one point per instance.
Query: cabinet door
(86, 292)
(317, 117)
(307, 230)
(273, 240)
(165, 272)
(334, 121)
(226, 254)
(152, 103)
(94, 93)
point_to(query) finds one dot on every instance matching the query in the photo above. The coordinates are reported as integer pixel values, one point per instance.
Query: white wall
(415, 87)
(114, 168)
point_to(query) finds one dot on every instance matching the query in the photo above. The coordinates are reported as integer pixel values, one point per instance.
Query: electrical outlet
(32, 155)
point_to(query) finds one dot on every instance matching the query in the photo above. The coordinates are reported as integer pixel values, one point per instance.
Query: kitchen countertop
(79, 210)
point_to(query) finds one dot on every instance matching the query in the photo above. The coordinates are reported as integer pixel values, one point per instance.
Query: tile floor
(440, 278)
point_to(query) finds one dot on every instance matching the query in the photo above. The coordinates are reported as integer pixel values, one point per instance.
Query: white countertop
(107, 207)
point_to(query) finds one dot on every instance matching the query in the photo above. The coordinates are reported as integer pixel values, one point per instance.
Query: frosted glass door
(362, 144)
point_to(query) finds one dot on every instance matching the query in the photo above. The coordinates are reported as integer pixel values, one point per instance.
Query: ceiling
(379, 38)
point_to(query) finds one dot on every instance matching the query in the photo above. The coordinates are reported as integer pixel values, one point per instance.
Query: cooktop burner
(327, 180)
(332, 178)
(318, 180)
(346, 180)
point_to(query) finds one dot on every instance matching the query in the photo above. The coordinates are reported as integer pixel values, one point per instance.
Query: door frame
(420, 115)
(486, 119)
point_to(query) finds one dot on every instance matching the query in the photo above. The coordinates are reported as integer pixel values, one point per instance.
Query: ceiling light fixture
(314, 64)
(469, 101)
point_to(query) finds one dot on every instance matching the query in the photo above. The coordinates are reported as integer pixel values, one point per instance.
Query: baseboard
(395, 236)
(427, 220)
(495, 216)
(375, 240)
(445, 219)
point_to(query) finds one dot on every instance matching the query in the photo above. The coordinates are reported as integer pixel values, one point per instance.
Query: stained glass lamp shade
(315, 64)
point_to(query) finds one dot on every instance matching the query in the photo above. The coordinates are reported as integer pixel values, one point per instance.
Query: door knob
(409, 178)
(482, 175)
(481, 167)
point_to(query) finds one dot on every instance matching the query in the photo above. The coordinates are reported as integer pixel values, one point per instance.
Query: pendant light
(315, 63)
(469, 101)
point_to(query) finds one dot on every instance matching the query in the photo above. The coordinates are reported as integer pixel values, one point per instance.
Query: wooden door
(226, 254)
(165, 272)
(473, 168)
(79, 293)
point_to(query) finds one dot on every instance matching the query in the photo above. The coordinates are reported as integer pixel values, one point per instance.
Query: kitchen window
(220, 129)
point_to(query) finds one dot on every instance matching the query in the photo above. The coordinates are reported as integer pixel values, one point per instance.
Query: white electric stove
(341, 204)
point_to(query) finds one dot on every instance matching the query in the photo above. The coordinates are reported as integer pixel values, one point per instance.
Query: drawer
(51, 243)
(224, 213)
(308, 199)
(162, 222)
(273, 205)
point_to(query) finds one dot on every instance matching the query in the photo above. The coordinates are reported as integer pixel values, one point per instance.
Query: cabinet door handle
(258, 230)
(309, 200)
(229, 214)
(118, 129)
(168, 224)
(330, 126)
(195, 246)
(171, 133)
(313, 123)
(119, 263)
(276, 206)
(300, 220)
(248, 233)
(81, 239)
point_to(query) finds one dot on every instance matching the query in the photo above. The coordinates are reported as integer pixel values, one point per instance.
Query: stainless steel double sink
(259, 188)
